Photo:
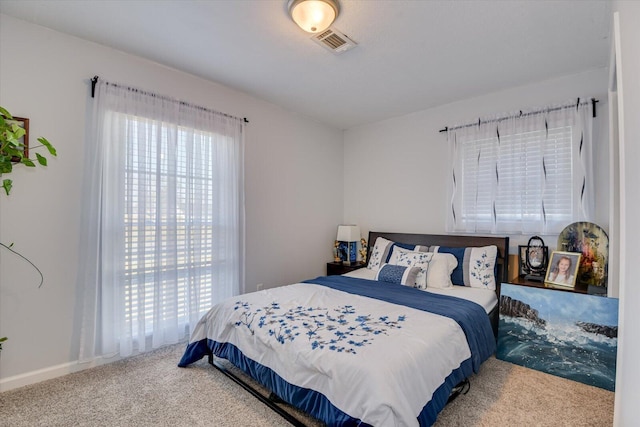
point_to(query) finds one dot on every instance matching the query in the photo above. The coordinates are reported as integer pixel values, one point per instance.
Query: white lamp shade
(313, 16)
(348, 233)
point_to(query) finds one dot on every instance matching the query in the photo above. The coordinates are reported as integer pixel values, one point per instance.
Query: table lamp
(348, 236)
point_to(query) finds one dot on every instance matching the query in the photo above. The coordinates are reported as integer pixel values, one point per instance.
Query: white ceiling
(412, 55)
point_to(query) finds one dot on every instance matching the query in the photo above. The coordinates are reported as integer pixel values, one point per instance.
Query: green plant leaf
(12, 152)
(10, 138)
(6, 166)
(47, 144)
(18, 131)
(41, 159)
(7, 184)
(12, 147)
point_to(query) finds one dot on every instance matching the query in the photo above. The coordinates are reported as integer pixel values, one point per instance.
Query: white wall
(398, 168)
(294, 181)
(294, 175)
(627, 411)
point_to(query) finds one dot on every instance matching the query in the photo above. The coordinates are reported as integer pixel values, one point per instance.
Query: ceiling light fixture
(314, 16)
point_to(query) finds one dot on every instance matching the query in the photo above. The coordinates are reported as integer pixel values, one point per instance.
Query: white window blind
(520, 175)
(169, 241)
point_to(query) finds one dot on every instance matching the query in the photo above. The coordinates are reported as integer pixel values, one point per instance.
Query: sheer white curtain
(523, 173)
(163, 219)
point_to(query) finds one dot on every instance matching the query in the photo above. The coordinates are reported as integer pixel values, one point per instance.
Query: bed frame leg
(462, 388)
(275, 398)
(270, 401)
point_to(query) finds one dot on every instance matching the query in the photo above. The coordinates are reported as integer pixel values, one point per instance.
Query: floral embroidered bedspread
(376, 361)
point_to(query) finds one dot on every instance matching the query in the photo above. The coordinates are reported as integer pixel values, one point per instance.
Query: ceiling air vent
(334, 41)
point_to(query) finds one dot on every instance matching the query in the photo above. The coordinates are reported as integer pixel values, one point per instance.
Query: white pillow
(379, 253)
(482, 263)
(440, 269)
(476, 265)
(435, 268)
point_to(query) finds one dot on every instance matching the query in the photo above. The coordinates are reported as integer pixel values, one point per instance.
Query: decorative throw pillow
(382, 251)
(407, 258)
(397, 274)
(476, 266)
(379, 253)
(438, 267)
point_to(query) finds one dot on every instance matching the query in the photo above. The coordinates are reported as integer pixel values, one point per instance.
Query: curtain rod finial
(94, 80)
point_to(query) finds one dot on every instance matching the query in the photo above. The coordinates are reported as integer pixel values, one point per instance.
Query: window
(164, 218)
(169, 239)
(519, 175)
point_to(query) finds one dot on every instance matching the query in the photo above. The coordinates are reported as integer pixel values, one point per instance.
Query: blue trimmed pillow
(383, 248)
(407, 258)
(379, 253)
(435, 269)
(397, 274)
(476, 266)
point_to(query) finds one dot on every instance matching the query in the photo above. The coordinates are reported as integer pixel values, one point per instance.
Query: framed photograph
(563, 268)
(23, 123)
(537, 258)
(522, 261)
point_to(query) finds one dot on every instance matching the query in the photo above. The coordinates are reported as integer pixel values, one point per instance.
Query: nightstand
(335, 268)
(579, 288)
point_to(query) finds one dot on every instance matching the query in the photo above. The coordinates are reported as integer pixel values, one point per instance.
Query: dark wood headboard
(451, 240)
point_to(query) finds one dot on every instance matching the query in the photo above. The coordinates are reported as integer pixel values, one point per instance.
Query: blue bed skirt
(310, 401)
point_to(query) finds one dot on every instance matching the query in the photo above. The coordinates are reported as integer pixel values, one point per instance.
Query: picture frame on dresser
(538, 256)
(522, 261)
(563, 268)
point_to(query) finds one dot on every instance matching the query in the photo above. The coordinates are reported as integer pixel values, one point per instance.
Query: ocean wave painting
(567, 334)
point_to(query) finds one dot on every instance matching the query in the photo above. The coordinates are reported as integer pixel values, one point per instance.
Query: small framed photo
(563, 268)
(538, 255)
(522, 261)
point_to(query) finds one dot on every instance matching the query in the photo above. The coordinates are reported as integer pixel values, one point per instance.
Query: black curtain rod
(479, 122)
(94, 80)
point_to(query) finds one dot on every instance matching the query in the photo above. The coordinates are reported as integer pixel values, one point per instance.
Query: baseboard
(56, 371)
(51, 372)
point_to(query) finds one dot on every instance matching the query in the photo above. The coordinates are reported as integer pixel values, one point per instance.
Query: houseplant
(12, 149)
(12, 153)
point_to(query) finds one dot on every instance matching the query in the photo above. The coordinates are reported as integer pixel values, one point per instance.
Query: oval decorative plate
(593, 243)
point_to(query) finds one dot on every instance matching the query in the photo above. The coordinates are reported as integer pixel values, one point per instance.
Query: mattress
(483, 297)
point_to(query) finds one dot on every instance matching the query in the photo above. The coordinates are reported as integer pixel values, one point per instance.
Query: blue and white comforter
(350, 351)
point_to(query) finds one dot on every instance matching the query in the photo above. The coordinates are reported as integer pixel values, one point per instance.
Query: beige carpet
(150, 390)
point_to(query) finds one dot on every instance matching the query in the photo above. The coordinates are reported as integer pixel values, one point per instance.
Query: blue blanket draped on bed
(470, 316)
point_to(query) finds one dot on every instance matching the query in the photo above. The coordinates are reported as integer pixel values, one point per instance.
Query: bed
(384, 346)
